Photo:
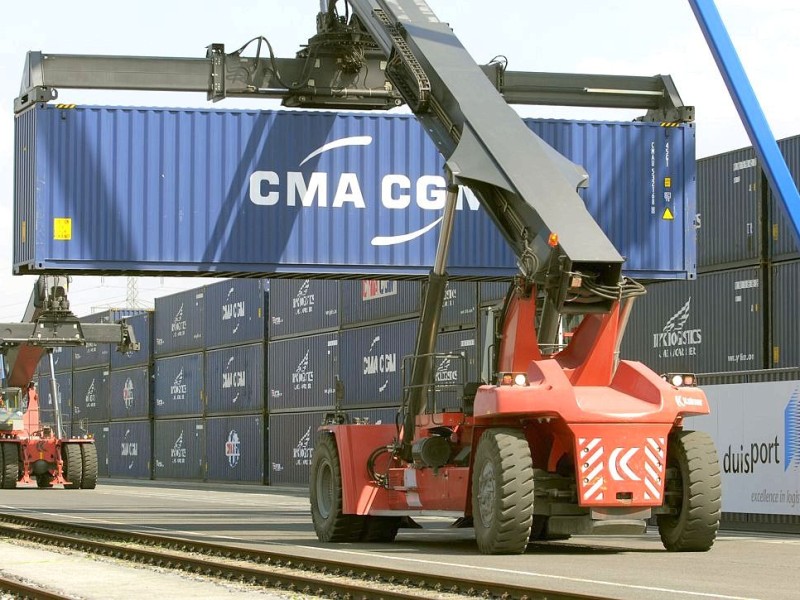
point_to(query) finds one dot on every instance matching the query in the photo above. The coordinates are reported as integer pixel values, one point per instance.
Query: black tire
(693, 490)
(10, 453)
(330, 524)
(502, 492)
(73, 468)
(89, 466)
(44, 480)
(380, 529)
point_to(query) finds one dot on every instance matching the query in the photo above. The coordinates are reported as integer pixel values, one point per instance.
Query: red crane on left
(33, 448)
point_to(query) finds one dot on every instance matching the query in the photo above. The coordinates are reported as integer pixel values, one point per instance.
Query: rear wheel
(89, 466)
(330, 524)
(502, 492)
(73, 468)
(693, 493)
(10, 463)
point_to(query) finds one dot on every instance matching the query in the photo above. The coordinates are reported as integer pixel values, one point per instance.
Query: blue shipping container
(235, 379)
(115, 190)
(179, 322)
(302, 306)
(62, 361)
(130, 446)
(100, 433)
(47, 407)
(130, 393)
(178, 386)
(371, 363)
(178, 449)
(235, 312)
(452, 372)
(235, 448)
(378, 300)
(292, 437)
(99, 355)
(302, 372)
(90, 395)
(142, 325)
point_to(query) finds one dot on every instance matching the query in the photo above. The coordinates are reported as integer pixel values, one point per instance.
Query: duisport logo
(232, 451)
(397, 191)
(674, 340)
(792, 432)
(303, 376)
(303, 451)
(303, 302)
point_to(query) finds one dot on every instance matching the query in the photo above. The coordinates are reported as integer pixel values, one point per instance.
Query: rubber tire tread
(88, 466)
(695, 528)
(73, 471)
(510, 454)
(380, 529)
(10, 465)
(336, 527)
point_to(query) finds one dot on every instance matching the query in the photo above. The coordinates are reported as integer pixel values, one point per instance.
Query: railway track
(278, 570)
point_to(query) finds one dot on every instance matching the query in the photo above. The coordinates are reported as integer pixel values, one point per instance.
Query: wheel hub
(325, 490)
(487, 494)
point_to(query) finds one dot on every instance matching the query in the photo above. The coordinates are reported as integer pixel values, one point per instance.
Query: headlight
(680, 379)
(520, 379)
(677, 380)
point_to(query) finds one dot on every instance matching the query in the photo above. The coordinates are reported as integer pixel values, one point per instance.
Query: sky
(623, 37)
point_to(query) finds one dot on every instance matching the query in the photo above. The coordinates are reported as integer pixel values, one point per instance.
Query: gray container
(178, 449)
(235, 448)
(373, 416)
(729, 202)
(303, 306)
(142, 325)
(178, 387)
(235, 380)
(492, 292)
(100, 433)
(783, 240)
(179, 322)
(377, 301)
(62, 361)
(371, 362)
(130, 394)
(130, 449)
(99, 355)
(785, 328)
(236, 312)
(292, 437)
(47, 415)
(302, 372)
(459, 308)
(90, 395)
(712, 324)
(451, 374)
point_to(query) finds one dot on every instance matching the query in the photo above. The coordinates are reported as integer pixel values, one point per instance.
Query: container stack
(736, 315)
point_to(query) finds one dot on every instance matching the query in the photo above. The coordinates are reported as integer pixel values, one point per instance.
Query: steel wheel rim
(487, 494)
(325, 490)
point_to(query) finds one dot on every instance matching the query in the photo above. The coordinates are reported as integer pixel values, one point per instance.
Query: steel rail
(280, 570)
(29, 592)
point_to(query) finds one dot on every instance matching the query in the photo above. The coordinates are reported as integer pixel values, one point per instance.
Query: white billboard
(756, 428)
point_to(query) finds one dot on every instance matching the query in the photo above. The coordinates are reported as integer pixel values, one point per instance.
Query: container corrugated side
(451, 373)
(492, 292)
(235, 380)
(90, 394)
(178, 386)
(235, 312)
(100, 433)
(379, 300)
(292, 438)
(304, 306)
(130, 393)
(729, 202)
(47, 406)
(99, 355)
(178, 449)
(302, 372)
(235, 448)
(715, 323)
(783, 240)
(62, 361)
(130, 449)
(785, 319)
(142, 192)
(179, 322)
(142, 325)
(371, 363)
(459, 307)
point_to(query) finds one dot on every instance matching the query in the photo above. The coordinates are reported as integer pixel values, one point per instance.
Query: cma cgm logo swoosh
(343, 189)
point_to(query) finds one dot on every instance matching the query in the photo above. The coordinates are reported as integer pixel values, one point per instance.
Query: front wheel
(502, 492)
(330, 524)
(73, 465)
(692, 492)
(9, 456)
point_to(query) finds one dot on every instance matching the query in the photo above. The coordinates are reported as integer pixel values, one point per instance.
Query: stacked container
(303, 367)
(131, 399)
(235, 364)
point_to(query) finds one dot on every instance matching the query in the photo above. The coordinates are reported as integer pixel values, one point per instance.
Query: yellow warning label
(667, 216)
(667, 182)
(62, 228)
(23, 234)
